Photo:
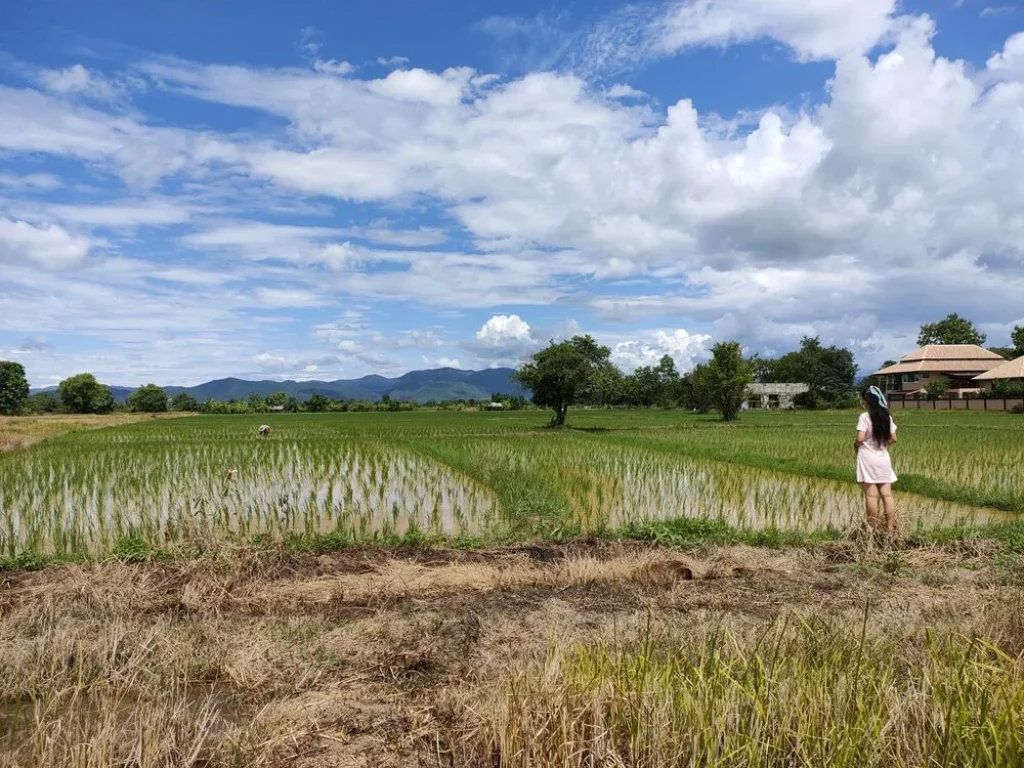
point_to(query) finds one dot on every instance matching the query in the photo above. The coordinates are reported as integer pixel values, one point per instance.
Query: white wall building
(772, 396)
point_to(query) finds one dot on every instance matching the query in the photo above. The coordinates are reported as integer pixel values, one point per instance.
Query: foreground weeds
(800, 691)
(574, 654)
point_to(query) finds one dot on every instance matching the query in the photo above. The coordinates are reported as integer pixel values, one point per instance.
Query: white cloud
(504, 338)
(393, 61)
(623, 91)
(332, 67)
(441, 362)
(685, 348)
(817, 30)
(77, 80)
(1009, 62)
(48, 246)
(268, 360)
(823, 29)
(32, 181)
(124, 214)
(281, 298)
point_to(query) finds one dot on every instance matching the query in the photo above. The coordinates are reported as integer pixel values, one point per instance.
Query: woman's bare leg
(889, 504)
(871, 505)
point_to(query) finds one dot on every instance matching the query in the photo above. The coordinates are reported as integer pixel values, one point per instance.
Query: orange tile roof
(945, 358)
(1013, 369)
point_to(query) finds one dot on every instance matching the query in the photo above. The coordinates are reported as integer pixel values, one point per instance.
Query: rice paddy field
(453, 590)
(356, 478)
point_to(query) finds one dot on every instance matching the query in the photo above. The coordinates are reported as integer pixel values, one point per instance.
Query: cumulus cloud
(505, 338)
(685, 348)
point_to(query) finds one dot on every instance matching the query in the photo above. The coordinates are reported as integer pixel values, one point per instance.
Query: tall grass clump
(803, 692)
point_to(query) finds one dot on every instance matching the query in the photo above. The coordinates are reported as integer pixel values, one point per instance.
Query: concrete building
(773, 396)
(955, 364)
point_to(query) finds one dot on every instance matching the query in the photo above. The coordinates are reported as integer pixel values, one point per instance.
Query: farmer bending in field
(876, 431)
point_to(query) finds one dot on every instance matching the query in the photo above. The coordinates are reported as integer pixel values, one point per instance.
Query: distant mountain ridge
(415, 386)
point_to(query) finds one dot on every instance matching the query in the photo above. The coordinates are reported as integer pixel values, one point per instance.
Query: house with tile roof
(1011, 371)
(956, 364)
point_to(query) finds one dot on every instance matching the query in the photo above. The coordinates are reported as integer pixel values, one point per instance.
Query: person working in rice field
(876, 431)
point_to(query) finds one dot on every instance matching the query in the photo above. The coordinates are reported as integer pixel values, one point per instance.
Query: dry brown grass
(23, 431)
(373, 658)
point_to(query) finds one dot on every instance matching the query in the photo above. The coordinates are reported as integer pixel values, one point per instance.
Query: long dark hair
(881, 426)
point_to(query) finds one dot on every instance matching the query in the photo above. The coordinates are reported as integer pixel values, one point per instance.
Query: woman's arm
(862, 438)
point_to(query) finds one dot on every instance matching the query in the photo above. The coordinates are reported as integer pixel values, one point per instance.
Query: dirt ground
(364, 657)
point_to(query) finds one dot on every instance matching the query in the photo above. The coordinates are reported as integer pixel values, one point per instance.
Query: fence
(957, 404)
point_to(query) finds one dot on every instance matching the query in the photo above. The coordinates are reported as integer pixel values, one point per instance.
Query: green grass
(162, 486)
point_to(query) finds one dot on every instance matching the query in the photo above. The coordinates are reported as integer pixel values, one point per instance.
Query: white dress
(874, 465)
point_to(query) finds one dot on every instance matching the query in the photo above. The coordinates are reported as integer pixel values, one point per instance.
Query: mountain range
(415, 386)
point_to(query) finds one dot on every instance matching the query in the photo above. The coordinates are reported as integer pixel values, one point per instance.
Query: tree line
(577, 371)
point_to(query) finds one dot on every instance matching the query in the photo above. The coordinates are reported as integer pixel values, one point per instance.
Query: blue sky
(191, 190)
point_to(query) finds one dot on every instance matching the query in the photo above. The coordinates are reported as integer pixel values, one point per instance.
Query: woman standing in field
(876, 431)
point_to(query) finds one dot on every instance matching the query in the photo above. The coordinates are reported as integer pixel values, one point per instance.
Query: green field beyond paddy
(491, 478)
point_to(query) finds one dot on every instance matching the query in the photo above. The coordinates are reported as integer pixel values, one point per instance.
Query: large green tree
(951, 330)
(828, 372)
(184, 402)
(83, 394)
(318, 403)
(13, 387)
(563, 374)
(148, 399)
(727, 377)
(696, 391)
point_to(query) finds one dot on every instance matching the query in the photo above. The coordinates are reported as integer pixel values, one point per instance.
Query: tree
(728, 377)
(563, 374)
(828, 372)
(607, 386)
(184, 402)
(698, 390)
(277, 399)
(1017, 339)
(13, 387)
(83, 394)
(255, 402)
(318, 403)
(937, 389)
(953, 330)
(43, 402)
(148, 399)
